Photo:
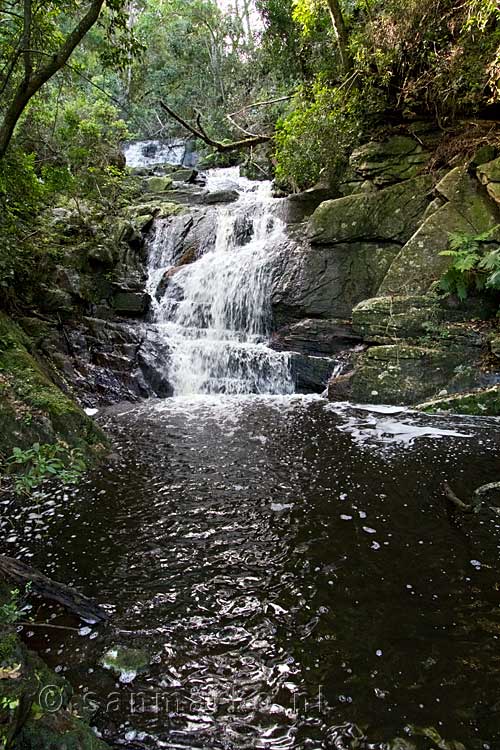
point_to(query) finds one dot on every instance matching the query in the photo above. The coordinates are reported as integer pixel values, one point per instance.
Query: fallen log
(21, 574)
(199, 132)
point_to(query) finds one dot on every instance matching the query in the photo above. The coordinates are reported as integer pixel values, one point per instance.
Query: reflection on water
(292, 572)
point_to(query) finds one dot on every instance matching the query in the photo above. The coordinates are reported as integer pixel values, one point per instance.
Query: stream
(288, 566)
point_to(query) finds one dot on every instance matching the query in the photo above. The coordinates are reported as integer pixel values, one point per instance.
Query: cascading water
(215, 313)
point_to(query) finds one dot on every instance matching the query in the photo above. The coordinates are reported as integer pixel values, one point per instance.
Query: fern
(473, 268)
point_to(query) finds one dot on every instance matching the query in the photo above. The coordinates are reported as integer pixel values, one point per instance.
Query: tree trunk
(33, 81)
(342, 35)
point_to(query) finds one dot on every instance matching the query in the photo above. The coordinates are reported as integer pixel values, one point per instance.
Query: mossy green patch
(32, 407)
(483, 402)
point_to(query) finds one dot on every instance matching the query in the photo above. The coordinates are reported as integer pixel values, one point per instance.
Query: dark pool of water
(292, 571)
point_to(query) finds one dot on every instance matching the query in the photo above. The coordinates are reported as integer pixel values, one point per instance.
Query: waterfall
(215, 313)
(156, 153)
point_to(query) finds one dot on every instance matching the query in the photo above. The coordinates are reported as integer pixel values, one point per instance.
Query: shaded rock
(131, 303)
(298, 206)
(484, 154)
(419, 264)
(310, 373)
(315, 337)
(339, 386)
(399, 158)
(489, 175)
(157, 184)
(32, 406)
(220, 196)
(55, 300)
(403, 374)
(102, 255)
(481, 402)
(389, 215)
(184, 175)
(383, 319)
(313, 281)
(495, 346)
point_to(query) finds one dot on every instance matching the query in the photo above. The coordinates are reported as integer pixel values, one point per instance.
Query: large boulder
(385, 319)
(314, 281)
(399, 158)
(157, 184)
(389, 215)
(420, 264)
(403, 374)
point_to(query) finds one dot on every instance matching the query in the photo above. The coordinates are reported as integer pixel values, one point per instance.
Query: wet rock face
(311, 373)
(315, 337)
(327, 281)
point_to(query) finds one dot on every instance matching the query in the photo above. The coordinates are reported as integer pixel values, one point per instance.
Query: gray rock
(389, 215)
(315, 337)
(157, 184)
(419, 264)
(399, 158)
(220, 196)
(327, 281)
(402, 374)
(311, 374)
(131, 303)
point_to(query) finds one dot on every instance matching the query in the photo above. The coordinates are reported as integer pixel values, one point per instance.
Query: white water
(154, 153)
(215, 313)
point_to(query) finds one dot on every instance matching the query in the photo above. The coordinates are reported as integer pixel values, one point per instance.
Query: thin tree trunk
(34, 81)
(341, 33)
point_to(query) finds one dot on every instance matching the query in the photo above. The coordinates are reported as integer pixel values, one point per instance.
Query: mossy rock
(389, 215)
(489, 175)
(481, 402)
(399, 158)
(403, 374)
(32, 407)
(157, 184)
(420, 318)
(420, 263)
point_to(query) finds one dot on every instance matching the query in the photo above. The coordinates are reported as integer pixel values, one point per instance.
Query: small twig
(47, 625)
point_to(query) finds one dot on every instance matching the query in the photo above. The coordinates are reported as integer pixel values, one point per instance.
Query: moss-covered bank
(36, 712)
(32, 407)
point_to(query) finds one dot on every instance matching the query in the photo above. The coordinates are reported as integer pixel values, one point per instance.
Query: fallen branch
(459, 504)
(484, 489)
(68, 597)
(199, 132)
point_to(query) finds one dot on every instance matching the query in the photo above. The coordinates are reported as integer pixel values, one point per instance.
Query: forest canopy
(78, 78)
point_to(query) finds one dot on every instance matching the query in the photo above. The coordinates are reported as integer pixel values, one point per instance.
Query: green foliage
(39, 463)
(10, 611)
(315, 139)
(475, 265)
